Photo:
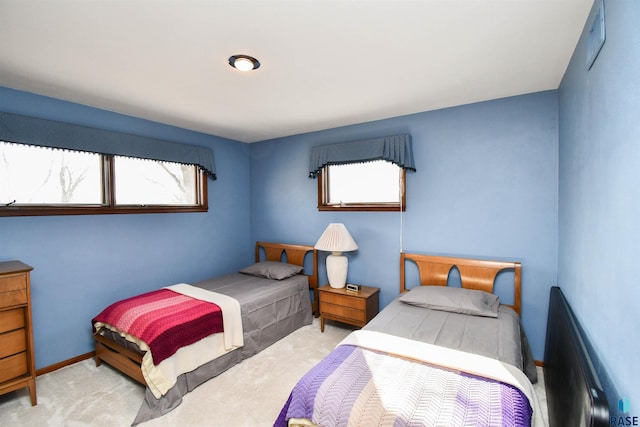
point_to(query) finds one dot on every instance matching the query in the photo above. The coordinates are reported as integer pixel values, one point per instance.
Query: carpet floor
(249, 394)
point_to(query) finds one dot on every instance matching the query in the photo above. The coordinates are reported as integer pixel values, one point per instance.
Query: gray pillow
(456, 300)
(272, 270)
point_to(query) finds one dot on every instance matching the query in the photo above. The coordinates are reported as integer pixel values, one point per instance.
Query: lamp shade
(336, 238)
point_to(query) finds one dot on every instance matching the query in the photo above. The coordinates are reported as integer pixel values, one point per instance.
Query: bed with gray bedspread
(270, 310)
(466, 321)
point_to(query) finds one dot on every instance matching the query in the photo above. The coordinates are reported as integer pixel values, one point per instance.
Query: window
(32, 176)
(150, 182)
(363, 175)
(372, 186)
(44, 181)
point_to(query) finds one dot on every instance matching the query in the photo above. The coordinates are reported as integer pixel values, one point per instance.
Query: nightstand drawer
(345, 300)
(13, 367)
(342, 311)
(13, 290)
(13, 342)
(11, 319)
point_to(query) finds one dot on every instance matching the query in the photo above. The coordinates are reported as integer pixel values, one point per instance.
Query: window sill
(362, 208)
(95, 210)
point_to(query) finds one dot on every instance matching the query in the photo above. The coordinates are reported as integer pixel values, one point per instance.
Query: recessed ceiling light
(243, 62)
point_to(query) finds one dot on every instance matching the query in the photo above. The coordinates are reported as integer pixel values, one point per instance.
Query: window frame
(323, 197)
(108, 205)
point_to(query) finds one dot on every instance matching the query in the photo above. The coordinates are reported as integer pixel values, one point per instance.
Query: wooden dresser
(17, 362)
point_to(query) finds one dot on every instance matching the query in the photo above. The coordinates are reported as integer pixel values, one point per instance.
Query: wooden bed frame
(129, 362)
(474, 274)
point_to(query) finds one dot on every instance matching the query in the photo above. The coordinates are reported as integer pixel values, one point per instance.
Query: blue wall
(486, 186)
(81, 263)
(599, 209)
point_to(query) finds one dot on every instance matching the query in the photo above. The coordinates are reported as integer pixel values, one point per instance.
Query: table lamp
(336, 239)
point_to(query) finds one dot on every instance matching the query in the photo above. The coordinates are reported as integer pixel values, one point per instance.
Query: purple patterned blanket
(359, 387)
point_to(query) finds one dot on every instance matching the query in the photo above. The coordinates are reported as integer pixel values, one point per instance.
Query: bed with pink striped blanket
(174, 339)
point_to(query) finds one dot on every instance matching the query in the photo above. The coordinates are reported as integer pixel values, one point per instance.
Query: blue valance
(46, 133)
(395, 149)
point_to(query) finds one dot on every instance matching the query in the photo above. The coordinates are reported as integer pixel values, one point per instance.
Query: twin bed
(270, 298)
(438, 354)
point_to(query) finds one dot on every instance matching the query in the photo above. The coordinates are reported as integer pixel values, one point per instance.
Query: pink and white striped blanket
(165, 320)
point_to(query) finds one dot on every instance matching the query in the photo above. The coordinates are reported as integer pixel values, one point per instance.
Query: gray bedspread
(500, 338)
(270, 310)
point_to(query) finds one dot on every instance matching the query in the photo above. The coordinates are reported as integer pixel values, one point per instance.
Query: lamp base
(337, 265)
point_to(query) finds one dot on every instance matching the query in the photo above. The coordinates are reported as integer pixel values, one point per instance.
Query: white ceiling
(324, 63)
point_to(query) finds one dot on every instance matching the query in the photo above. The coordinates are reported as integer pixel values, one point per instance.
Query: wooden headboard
(294, 254)
(474, 273)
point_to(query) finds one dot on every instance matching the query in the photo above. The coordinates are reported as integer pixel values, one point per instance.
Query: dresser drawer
(13, 290)
(342, 311)
(349, 301)
(12, 319)
(13, 367)
(13, 342)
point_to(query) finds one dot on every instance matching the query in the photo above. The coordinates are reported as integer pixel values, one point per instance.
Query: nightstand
(354, 308)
